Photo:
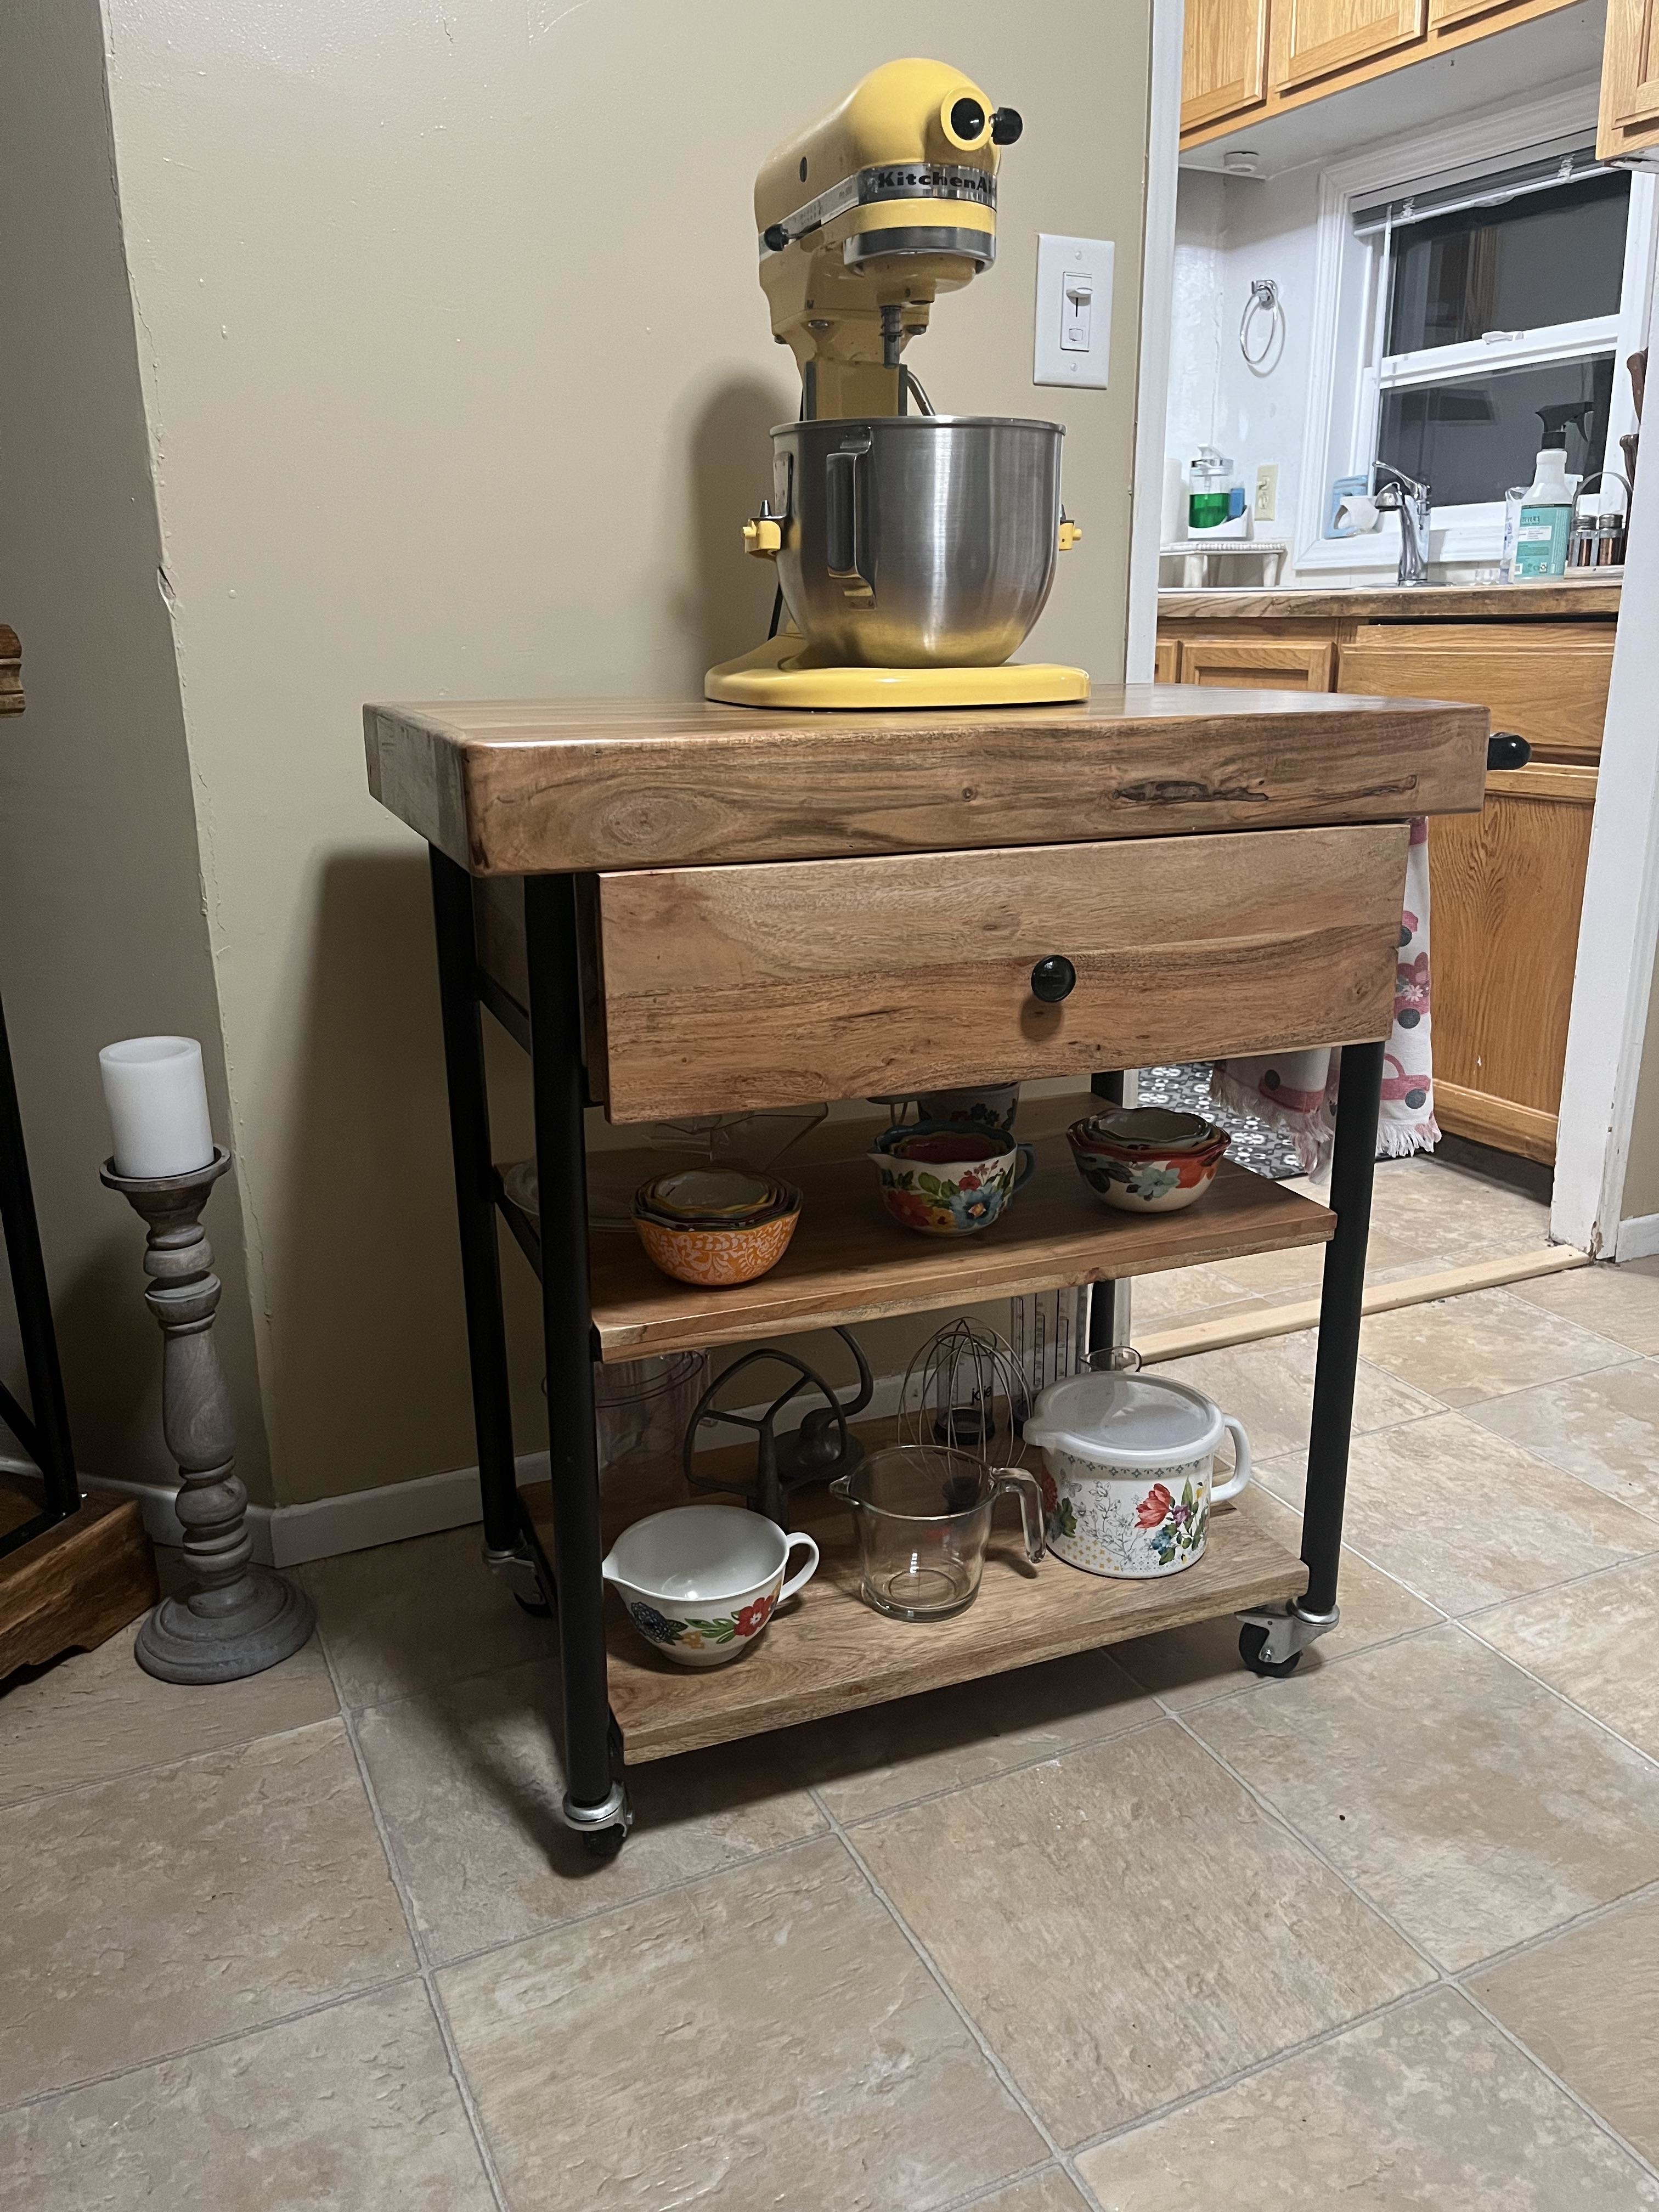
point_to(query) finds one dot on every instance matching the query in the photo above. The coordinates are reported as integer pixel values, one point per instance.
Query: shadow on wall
(726, 434)
(368, 1366)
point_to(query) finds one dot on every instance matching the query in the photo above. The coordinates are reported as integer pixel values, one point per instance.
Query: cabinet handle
(1053, 979)
(1506, 749)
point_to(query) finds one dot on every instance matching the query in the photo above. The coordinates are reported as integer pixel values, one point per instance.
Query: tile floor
(1132, 1931)
(1427, 1215)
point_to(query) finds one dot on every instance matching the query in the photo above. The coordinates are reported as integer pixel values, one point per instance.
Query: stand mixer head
(866, 215)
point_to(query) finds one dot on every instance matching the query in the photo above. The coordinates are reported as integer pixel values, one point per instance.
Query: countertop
(1560, 597)
(533, 787)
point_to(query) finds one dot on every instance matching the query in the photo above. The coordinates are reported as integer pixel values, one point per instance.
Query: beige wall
(101, 929)
(458, 380)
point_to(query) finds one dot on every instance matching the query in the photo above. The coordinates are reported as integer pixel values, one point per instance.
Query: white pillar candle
(157, 1095)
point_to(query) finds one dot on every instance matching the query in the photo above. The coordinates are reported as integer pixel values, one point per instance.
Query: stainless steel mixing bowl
(916, 541)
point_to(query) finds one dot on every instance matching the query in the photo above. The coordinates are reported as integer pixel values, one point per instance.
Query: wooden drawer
(1546, 681)
(1259, 664)
(725, 988)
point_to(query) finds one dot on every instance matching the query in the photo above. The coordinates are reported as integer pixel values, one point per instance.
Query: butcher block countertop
(1559, 599)
(542, 787)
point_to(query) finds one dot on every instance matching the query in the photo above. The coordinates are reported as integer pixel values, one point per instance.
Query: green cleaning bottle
(1546, 523)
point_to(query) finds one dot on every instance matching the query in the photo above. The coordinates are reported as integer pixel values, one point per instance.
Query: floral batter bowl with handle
(701, 1582)
(944, 1181)
(1128, 1470)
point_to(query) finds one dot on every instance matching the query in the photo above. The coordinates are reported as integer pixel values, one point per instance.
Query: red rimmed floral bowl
(1146, 1181)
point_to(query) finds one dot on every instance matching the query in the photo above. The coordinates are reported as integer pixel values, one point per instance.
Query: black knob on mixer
(774, 238)
(968, 120)
(1007, 125)
(1053, 979)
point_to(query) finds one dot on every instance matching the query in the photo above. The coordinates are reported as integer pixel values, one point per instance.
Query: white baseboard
(1637, 1239)
(357, 1520)
(321, 1529)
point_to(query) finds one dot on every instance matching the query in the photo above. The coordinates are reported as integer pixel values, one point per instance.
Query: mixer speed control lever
(1053, 979)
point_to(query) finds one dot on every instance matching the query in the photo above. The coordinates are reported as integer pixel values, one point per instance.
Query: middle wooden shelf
(849, 1262)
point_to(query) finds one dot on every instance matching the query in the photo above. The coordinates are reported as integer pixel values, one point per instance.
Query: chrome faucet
(1403, 496)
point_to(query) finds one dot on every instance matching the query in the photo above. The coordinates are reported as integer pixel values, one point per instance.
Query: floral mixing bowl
(942, 1181)
(1140, 1179)
(701, 1582)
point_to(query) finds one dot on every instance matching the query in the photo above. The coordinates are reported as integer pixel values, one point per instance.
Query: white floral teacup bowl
(1129, 1471)
(701, 1582)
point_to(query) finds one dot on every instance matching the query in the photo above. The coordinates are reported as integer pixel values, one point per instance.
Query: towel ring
(1264, 294)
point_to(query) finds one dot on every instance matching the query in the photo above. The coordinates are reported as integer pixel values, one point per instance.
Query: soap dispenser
(1546, 523)
(1214, 499)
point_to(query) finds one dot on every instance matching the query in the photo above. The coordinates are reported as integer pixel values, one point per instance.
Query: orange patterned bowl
(717, 1259)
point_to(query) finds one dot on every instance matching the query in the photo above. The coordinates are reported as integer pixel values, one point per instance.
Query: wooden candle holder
(237, 1619)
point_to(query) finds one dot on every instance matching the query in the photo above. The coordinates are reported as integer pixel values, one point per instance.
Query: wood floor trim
(1249, 1325)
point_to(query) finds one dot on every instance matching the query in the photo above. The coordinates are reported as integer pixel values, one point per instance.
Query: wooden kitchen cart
(692, 909)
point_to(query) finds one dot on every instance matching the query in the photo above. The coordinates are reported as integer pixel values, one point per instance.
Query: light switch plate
(1267, 492)
(1074, 311)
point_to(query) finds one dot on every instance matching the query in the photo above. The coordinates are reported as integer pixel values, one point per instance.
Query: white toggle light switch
(1074, 311)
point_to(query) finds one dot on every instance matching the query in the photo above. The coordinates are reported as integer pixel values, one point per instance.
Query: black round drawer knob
(1053, 979)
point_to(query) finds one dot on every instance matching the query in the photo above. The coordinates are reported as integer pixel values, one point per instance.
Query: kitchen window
(1496, 300)
(1463, 303)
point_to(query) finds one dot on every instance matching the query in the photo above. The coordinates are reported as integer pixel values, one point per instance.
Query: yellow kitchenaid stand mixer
(915, 550)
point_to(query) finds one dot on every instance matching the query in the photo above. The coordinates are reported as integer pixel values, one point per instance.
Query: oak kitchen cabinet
(1630, 81)
(1244, 58)
(1223, 61)
(1507, 883)
(1316, 38)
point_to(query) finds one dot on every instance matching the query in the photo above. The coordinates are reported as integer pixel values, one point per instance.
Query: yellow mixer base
(782, 673)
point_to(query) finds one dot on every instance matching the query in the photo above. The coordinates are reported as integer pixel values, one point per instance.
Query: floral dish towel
(1296, 1091)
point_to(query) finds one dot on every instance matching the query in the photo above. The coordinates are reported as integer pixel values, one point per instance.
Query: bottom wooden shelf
(72, 1587)
(829, 1652)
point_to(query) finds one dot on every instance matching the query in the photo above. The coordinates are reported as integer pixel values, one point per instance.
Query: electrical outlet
(1267, 491)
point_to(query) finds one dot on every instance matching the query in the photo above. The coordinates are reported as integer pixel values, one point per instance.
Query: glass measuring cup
(923, 1516)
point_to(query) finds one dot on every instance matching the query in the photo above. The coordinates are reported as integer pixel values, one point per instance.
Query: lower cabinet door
(727, 989)
(1506, 886)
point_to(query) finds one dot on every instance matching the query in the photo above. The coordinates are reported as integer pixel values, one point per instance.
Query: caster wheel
(536, 1608)
(605, 1843)
(1251, 1639)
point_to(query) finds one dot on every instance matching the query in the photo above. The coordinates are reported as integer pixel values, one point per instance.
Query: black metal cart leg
(44, 1432)
(1359, 1094)
(1109, 1302)
(481, 1274)
(595, 1800)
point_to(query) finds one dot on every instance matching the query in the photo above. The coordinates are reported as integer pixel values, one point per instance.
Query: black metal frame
(570, 1582)
(44, 1433)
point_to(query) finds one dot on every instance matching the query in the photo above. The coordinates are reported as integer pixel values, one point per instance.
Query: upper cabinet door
(1313, 38)
(1630, 79)
(1223, 60)
(1449, 14)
